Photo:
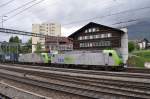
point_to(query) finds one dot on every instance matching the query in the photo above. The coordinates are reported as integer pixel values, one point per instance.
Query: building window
(86, 31)
(95, 44)
(106, 35)
(109, 35)
(80, 38)
(107, 43)
(102, 35)
(94, 29)
(94, 36)
(88, 45)
(81, 44)
(97, 36)
(86, 37)
(91, 44)
(91, 36)
(90, 30)
(97, 30)
(99, 44)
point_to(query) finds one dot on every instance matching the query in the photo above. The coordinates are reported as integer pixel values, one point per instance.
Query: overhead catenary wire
(22, 6)
(23, 10)
(104, 16)
(94, 18)
(10, 1)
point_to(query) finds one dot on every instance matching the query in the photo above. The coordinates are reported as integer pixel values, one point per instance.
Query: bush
(131, 46)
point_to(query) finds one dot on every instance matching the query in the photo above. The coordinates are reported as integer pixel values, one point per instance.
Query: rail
(79, 83)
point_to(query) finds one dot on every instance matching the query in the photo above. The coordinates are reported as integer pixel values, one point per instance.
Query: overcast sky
(71, 13)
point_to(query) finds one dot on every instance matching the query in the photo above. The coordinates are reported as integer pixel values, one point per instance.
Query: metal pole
(3, 20)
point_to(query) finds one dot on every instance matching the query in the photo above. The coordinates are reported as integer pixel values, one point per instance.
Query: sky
(72, 14)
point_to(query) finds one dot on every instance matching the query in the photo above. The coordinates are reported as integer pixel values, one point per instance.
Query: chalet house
(95, 36)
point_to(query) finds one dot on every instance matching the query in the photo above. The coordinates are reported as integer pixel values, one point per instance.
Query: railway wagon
(9, 57)
(34, 58)
(100, 58)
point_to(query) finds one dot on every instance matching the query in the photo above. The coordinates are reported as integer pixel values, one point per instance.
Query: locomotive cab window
(110, 54)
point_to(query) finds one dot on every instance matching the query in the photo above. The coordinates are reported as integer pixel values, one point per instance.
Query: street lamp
(3, 20)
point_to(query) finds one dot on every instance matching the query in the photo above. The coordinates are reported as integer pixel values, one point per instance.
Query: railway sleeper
(74, 90)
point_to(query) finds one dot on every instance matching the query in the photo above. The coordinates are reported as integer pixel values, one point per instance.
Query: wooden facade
(94, 36)
(58, 43)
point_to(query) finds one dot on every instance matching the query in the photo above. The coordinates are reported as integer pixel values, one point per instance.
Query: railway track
(93, 72)
(36, 66)
(77, 82)
(4, 97)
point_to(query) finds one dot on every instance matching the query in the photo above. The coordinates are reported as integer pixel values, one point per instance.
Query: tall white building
(50, 29)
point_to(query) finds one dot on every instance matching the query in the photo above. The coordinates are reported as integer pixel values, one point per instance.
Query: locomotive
(105, 58)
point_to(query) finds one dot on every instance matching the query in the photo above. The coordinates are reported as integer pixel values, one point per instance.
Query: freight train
(75, 59)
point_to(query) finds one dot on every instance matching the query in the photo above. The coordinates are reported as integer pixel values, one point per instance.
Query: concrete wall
(124, 45)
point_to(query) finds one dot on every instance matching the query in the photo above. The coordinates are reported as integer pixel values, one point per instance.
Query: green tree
(131, 46)
(14, 44)
(137, 47)
(4, 48)
(27, 48)
(38, 48)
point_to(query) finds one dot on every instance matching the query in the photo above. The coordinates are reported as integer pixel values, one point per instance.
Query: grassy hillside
(138, 58)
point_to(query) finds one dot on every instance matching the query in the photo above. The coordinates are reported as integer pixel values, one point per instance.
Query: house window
(86, 31)
(90, 30)
(81, 44)
(86, 37)
(105, 35)
(97, 30)
(91, 36)
(91, 44)
(80, 38)
(97, 36)
(94, 29)
(85, 44)
(96, 44)
(108, 43)
(109, 35)
(102, 35)
(99, 43)
(88, 44)
(83, 37)
(94, 36)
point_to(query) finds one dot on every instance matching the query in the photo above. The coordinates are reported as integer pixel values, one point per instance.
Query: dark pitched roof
(99, 25)
(145, 40)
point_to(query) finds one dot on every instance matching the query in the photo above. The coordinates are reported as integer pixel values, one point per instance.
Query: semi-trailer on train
(89, 59)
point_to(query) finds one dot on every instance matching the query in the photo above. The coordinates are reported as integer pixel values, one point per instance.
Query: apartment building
(49, 29)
